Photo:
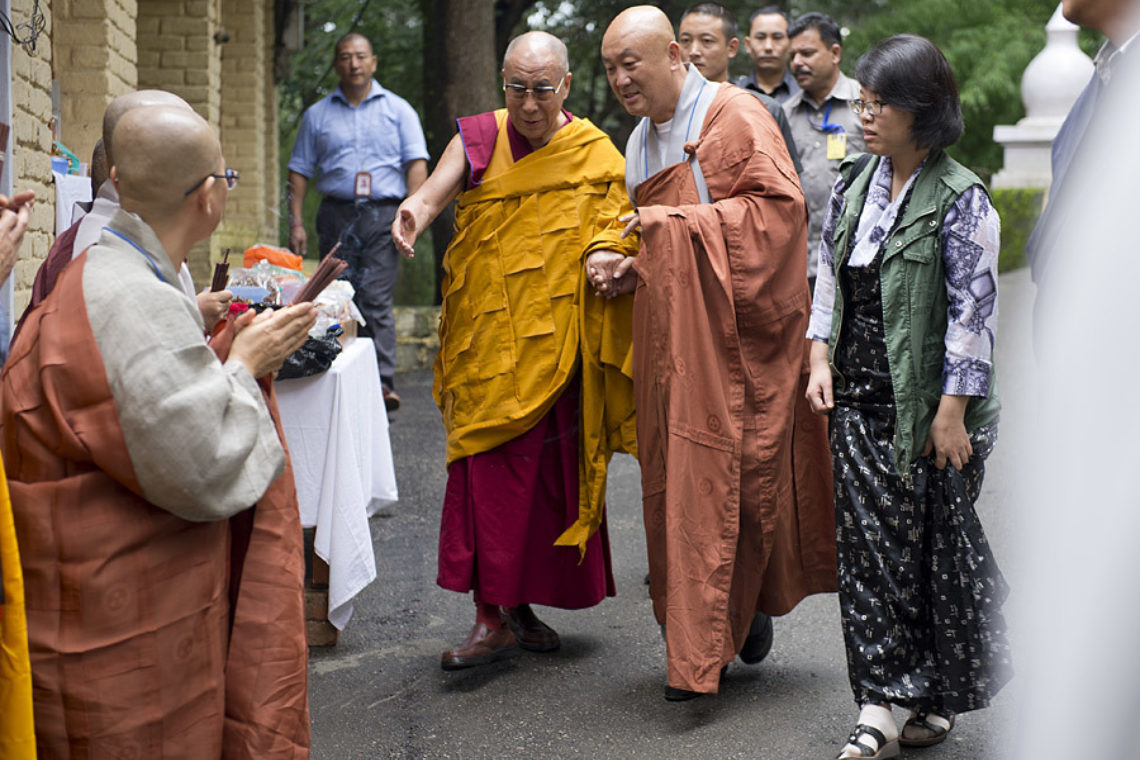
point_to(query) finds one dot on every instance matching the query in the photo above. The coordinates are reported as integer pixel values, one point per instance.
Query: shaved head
(123, 103)
(643, 62)
(542, 47)
(647, 24)
(171, 149)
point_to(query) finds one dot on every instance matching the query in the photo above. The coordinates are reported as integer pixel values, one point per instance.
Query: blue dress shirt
(337, 140)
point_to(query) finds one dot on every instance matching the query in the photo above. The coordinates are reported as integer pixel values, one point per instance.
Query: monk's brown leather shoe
(532, 634)
(482, 646)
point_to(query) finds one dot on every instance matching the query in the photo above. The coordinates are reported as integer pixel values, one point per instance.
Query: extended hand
(405, 231)
(265, 340)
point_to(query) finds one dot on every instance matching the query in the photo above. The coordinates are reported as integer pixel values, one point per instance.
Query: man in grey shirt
(824, 127)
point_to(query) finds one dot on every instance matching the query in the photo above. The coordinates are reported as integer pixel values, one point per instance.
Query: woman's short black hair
(911, 74)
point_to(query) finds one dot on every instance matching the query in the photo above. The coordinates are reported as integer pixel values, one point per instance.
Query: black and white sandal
(868, 743)
(925, 729)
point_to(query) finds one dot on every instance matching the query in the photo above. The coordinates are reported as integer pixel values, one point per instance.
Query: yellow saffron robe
(517, 311)
(17, 737)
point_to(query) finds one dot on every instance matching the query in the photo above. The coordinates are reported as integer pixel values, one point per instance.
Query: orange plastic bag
(276, 256)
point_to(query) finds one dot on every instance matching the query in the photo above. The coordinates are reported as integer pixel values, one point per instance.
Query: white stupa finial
(1055, 78)
(1052, 82)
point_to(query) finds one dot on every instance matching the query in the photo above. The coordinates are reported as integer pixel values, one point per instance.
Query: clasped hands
(611, 273)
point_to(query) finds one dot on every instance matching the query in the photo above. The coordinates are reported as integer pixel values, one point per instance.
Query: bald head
(124, 103)
(172, 148)
(643, 62)
(540, 48)
(647, 24)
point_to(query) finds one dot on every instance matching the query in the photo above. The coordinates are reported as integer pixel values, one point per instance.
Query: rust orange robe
(735, 469)
(136, 647)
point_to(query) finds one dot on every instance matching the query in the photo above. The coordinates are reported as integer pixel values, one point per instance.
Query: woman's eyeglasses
(872, 107)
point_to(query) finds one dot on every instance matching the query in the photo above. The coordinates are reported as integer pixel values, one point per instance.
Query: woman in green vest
(903, 324)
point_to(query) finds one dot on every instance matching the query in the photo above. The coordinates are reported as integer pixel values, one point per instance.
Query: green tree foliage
(988, 43)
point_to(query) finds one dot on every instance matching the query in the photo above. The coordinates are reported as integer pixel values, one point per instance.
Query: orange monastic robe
(136, 648)
(735, 470)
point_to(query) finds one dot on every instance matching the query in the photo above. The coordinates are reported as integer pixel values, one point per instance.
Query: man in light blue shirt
(367, 150)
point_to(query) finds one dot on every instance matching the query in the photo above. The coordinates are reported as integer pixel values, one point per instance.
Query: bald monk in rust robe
(533, 184)
(736, 475)
(165, 616)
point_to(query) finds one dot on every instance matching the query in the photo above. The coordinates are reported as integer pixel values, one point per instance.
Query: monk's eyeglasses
(872, 107)
(230, 176)
(541, 94)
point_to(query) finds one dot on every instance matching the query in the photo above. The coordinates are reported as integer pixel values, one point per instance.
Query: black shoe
(673, 694)
(759, 642)
(680, 695)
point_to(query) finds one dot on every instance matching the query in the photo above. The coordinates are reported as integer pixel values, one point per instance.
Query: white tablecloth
(337, 431)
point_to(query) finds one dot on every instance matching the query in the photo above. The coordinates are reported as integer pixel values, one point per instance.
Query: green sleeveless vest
(915, 304)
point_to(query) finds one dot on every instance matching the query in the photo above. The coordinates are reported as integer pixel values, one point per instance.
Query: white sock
(880, 717)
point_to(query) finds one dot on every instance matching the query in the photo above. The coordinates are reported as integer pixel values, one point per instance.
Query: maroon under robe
(504, 508)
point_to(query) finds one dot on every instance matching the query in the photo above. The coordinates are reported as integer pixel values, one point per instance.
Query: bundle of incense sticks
(327, 271)
(221, 273)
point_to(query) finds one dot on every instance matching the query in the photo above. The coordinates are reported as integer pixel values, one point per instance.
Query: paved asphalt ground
(380, 693)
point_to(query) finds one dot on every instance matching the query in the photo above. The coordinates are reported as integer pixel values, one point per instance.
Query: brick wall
(177, 52)
(94, 57)
(31, 147)
(97, 49)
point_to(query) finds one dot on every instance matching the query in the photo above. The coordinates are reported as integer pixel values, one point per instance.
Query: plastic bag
(315, 356)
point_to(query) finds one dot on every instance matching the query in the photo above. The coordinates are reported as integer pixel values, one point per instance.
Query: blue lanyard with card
(836, 136)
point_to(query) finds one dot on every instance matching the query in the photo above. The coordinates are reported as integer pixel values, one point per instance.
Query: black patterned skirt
(920, 593)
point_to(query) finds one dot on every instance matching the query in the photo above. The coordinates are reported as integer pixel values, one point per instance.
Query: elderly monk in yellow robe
(153, 501)
(735, 470)
(528, 436)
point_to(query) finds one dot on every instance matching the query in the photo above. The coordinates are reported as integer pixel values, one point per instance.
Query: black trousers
(364, 231)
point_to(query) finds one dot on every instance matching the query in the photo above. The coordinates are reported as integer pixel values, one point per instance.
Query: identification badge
(364, 183)
(836, 146)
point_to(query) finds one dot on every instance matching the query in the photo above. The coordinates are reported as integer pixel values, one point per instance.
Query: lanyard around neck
(688, 129)
(826, 126)
(149, 259)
